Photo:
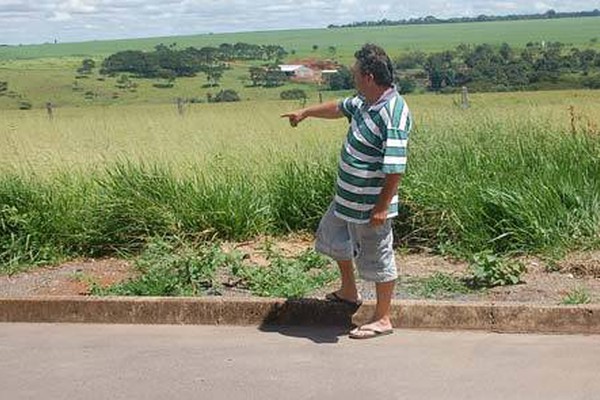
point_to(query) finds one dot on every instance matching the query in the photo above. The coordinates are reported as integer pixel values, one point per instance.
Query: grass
(511, 175)
(577, 296)
(439, 285)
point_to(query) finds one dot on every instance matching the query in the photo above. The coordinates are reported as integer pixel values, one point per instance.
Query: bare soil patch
(543, 283)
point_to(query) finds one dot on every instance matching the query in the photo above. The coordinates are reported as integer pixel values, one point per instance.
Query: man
(357, 226)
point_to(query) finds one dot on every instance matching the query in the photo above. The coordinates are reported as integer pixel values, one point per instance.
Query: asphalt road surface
(68, 361)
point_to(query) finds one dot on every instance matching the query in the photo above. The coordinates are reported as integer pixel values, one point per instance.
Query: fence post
(464, 98)
(49, 110)
(180, 104)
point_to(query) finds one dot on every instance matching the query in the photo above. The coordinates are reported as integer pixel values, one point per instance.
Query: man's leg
(385, 291)
(348, 290)
(381, 322)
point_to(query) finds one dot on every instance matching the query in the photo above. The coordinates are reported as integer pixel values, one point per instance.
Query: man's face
(361, 81)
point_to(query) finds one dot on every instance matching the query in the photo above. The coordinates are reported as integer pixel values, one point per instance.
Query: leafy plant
(286, 277)
(167, 269)
(489, 270)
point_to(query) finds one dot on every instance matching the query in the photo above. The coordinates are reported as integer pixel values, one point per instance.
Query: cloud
(59, 16)
(35, 21)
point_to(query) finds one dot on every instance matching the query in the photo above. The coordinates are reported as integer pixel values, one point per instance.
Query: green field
(47, 73)
(398, 39)
(517, 173)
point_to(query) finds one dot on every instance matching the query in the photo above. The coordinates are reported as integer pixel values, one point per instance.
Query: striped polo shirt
(376, 145)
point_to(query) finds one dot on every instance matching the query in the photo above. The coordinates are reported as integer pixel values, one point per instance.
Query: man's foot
(338, 297)
(374, 329)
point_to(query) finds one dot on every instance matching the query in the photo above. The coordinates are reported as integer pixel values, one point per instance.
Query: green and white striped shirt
(376, 145)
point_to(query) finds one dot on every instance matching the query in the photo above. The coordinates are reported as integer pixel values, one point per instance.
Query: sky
(39, 21)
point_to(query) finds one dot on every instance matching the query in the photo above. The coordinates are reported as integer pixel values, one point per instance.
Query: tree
(414, 59)
(132, 61)
(87, 66)
(341, 80)
(440, 70)
(3, 87)
(274, 77)
(213, 73)
(405, 85)
(293, 94)
(258, 75)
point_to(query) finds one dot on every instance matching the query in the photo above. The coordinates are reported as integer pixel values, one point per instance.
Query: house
(299, 72)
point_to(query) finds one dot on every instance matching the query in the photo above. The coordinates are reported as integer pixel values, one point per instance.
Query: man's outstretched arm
(328, 110)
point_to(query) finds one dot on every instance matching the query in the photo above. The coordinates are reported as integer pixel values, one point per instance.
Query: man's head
(373, 68)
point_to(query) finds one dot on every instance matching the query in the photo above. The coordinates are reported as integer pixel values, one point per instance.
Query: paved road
(55, 362)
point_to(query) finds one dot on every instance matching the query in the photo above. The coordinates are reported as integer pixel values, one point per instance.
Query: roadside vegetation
(126, 153)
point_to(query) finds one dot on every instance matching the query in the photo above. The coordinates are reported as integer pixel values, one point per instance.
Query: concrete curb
(436, 315)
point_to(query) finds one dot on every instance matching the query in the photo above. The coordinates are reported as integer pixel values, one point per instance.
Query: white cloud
(59, 16)
(35, 21)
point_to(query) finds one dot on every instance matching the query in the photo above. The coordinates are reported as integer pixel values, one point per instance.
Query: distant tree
(440, 70)
(132, 61)
(274, 77)
(214, 73)
(341, 80)
(332, 51)
(315, 47)
(405, 85)
(258, 76)
(414, 59)
(592, 82)
(227, 95)
(87, 67)
(293, 94)
(3, 87)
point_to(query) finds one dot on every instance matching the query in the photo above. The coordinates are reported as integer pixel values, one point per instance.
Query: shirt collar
(383, 99)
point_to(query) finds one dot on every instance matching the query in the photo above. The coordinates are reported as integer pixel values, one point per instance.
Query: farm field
(576, 31)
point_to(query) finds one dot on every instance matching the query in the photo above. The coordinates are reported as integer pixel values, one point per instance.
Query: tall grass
(484, 179)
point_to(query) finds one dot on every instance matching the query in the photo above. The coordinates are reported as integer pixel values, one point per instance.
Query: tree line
(500, 68)
(168, 62)
(430, 19)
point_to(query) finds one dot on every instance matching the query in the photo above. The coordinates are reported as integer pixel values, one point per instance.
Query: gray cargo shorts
(369, 247)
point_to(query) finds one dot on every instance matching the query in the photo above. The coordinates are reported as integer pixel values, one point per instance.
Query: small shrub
(293, 94)
(577, 296)
(489, 270)
(25, 105)
(591, 82)
(227, 95)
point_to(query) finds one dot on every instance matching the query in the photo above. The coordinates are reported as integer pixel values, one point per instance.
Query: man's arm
(389, 190)
(328, 110)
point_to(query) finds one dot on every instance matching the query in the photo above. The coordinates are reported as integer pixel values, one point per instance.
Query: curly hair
(372, 59)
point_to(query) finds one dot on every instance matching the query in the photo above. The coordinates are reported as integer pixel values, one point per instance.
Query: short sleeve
(395, 138)
(349, 105)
